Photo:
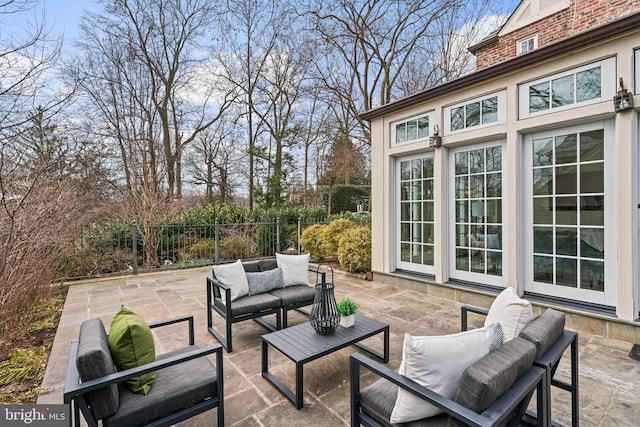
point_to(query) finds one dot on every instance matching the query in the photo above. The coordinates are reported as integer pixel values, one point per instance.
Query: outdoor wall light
(435, 140)
(624, 99)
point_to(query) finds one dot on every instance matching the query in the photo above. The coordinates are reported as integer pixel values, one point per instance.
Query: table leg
(299, 384)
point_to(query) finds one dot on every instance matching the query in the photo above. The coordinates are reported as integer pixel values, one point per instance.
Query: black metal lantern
(324, 316)
(624, 99)
(435, 140)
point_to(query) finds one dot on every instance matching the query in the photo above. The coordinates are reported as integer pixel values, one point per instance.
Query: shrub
(354, 251)
(202, 249)
(312, 240)
(233, 247)
(332, 234)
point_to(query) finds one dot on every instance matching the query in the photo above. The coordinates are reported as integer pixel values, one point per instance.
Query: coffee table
(302, 344)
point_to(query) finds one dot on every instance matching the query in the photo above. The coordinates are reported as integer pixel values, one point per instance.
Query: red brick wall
(580, 16)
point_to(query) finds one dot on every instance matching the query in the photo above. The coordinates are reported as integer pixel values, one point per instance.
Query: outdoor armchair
(186, 382)
(548, 356)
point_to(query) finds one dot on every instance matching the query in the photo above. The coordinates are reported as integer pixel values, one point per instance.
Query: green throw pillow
(131, 345)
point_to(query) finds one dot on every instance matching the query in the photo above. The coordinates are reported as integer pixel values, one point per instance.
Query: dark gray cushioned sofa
(274, 301)
(186, 382)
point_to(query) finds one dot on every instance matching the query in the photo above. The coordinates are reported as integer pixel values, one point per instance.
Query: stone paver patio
(609, 378)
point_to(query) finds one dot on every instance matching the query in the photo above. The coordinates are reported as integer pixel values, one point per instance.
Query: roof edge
(623, 25)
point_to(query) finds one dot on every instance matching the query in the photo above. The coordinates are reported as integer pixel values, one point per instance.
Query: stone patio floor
(609, 378)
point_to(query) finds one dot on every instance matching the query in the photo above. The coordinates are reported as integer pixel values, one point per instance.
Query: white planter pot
(347, 321)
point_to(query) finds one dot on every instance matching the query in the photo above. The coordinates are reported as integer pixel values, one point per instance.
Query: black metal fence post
(278, 234)
(299, 232)
(217, 241)
(134, 244)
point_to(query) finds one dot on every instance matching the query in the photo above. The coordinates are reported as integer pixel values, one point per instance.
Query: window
(527, 45)
(485, 111)
(581, 86)
(416, 214)
(477, 210)
(569, 215)
(411, 130)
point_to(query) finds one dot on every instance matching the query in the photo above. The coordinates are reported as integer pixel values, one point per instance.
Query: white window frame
(468, 275)
(520, 42)
(502, 113)
(399, 263)
(636, 54)
(431, 116)
(607, 88)
(609, 296)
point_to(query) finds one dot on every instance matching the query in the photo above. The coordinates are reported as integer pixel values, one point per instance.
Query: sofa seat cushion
(378, 401)
(544, 330)
(196, 380)
(487, 379)
(295, 294)
(251, 304)
(94, 361)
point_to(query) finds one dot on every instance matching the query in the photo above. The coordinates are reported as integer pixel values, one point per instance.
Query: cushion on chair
(377, 401)
(296, 294)
(251, 304)
(512, 312)
(487, 379)
(295, 269)
(264, 281)
(94, 361)
(234, 276)
(437, 362)
(268, 264)
(175, 388)
(131, 345)
(544, 330)
(251, 266)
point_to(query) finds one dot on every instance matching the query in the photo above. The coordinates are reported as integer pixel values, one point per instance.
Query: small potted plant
(347, 309)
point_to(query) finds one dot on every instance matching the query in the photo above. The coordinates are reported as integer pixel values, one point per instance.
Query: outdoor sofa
(493, 391)
(271, 292)
(184, 382)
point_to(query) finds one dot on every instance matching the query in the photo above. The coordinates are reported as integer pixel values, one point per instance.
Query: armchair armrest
(174, 321)
(495, 414)
(215, 285)
(464, 310)
(74, 388)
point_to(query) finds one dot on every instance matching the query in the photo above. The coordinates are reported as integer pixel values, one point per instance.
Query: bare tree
(36, 209)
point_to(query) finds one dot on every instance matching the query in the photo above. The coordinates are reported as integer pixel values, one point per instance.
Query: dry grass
(23, 359)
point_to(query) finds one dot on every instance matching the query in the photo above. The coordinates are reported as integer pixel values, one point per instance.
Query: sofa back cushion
(268, 264)
(544, 330)
(94, 361)
(487, 379)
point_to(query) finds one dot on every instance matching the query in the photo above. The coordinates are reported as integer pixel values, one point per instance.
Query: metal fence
(117, 248)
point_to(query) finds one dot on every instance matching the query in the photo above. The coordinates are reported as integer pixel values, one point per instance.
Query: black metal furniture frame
(301, 344)
(510, 406)
(549, 362)
(75, 391)
(230, 319)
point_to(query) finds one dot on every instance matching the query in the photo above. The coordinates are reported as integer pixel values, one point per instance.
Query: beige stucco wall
(626, 159)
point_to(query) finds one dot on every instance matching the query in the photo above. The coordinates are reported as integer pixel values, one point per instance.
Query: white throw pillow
(234, 276)
(295, 269)
(437, 362)
(512, 312)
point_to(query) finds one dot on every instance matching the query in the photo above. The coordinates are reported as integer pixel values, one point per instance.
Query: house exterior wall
(580, 16)
(622, 168)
